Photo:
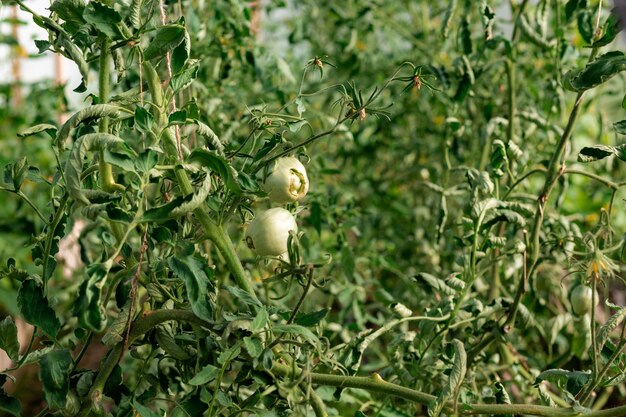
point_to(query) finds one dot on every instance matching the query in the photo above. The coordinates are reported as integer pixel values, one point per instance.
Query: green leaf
(620, 127)
(34, 308)
(116, 329)
(167, 342)
(181, 53)
(177, 118)
(573, 381)
(311, 319)
(198, 283)
(243, 296)
(206, 375)
(87, 305)
(611, 28)
(184, 78)
(8, 338)
(44, 127)
(210, 136)
(217, 164)
(96, 111)
(253, 346)
(620, 151)
(54, 373)
(78, 57)
(74, 164)
(8, 404)
(459, 367)
(103, 18)
(16, 173)
(609, 327)
(585, 25)
(571, 7)
(143, 119)
(297, 330)
(260, 321)
(595, 153)
(69, 10)
(163, 213)
(167, 38)
(117, 214)
(435, 283)
(455, 380)
(144, 411)
(42, 46)
(146, 160)
(597, 72)
(120, 160)
(228, 355)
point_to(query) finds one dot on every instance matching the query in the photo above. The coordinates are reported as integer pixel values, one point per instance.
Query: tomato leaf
(8, 338)
(54, 373)
(595, 153)
(197, 283)
(35, 308)
(167, 38)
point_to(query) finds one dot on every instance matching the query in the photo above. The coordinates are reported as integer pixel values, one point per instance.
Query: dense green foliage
(465, 164)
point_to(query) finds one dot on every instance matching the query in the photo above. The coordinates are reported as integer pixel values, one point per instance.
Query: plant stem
(215, 232)
(106, 171)
(58, 215)
(555, 169)
(383, 387)
(598, 377)
(316, 402)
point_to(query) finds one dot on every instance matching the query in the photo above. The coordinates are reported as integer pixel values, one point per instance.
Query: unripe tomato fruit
(287, 181)
(581, 299)
(268, 233)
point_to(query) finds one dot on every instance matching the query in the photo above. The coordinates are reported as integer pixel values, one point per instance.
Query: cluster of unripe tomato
(268, 233)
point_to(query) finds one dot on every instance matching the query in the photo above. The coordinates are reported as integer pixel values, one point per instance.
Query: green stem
(214, 231)
(316, 402)
(106, 171)
(23, 196)
(555, 170)
(382, 387)
(50, 237)
(594, 341)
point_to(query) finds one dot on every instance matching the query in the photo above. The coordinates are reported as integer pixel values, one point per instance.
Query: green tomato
(268, 233)
(287, 182)
(581, 299)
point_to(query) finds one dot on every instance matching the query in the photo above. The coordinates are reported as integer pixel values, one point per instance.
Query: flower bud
(268, 233)
(287, 181)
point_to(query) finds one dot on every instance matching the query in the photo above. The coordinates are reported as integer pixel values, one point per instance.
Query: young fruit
(581, 299)
(268, 233)
(287, 181)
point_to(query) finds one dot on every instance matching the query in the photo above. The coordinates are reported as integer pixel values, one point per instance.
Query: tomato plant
(304, 208)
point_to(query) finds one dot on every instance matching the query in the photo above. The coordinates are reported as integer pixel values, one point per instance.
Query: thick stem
(104, 73)
(382, 387)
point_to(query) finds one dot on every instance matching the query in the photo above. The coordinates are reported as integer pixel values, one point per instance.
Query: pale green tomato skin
(268, 233)
(581, 299)
(287, 182)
